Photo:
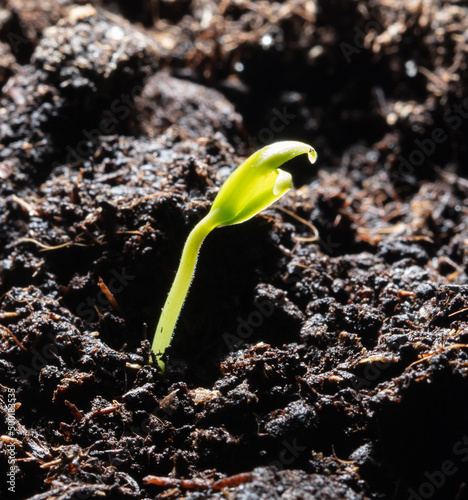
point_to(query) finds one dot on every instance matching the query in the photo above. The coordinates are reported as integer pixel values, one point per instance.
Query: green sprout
(252, 187)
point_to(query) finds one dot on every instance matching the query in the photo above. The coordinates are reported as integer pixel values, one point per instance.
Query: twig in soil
(458, 312)
(49, 247)
(252, 187)
(29, 209)
(440, 82)
(10, 333)
(76, 413)
(199, 484)
(437, 350)
(109, 295)
(74, 194)
(315, 237)
(138, 233)
(345, 462)
(11, 440)
(5, 315)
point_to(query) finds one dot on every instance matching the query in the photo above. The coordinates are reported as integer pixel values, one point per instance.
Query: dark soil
(301, 369)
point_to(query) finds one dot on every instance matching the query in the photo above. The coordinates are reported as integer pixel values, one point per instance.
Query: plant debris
(337, 368)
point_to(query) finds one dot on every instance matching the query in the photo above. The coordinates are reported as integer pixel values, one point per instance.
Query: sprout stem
(179, 289)
(253, 186)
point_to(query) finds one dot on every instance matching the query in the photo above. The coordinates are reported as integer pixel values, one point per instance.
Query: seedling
(253, 186)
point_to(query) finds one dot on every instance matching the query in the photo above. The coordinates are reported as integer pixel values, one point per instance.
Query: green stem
(179, 289)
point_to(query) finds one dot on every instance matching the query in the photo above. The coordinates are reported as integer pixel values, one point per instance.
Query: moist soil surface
(322, 352)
